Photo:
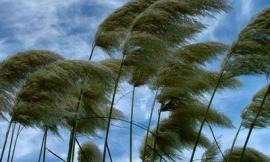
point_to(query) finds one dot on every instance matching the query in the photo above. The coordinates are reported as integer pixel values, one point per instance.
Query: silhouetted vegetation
(150, 44)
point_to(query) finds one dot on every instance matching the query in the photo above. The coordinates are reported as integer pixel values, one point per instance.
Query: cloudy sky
(68, 27)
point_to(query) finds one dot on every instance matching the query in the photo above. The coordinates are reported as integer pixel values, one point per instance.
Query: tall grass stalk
(54, 154)
(92, 51)
(15, 143)
(74, 129)
(131, 125)
(254, 123)
(111, 109)
(72, 139)
(156, 134)
(6, 139)
(215, 139)
(234, 141)
(11, 141)
(41, 148)
(209, 106)
(149, 123)
(45, 144)
(109, 152)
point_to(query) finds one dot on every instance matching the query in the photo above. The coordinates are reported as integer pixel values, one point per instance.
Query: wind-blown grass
(252, 109)
(251, 155)
(183, 83)
(250, 55)
(49, 96)
(14, 71)
(89, 152)
(182, 125)
(211, 154)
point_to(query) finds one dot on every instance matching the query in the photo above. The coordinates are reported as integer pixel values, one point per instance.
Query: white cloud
(212, 24)
(49, 24)
(52, 25)
(246, 8)
(111, 3)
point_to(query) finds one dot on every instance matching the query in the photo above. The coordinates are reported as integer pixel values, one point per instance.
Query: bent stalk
(71, 149)
(109, 152)
(208, 107)
(54, 154)
(156, 134)
(45, 145)
(215, 139)
(92, 51)
(41, 148)
(234, 141)
(6, 138)
(111, 109)
(205, 117)
(149, 123)
(11, 141)
(15, 144)
(74, 129)
(254, 123)
(131, 125)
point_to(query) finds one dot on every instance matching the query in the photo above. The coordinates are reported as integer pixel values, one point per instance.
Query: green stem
(15, 144)
(155, 151)
(109, 152)
(118, 119)
(149, 123)
(73, 147)
(76, 125)
(81, 149)
(131, 125)
(6, 138)
(45, 144)
(209, 106)
(92, 51)
(156, 134)
(50, 151)
(254, 123)
(111, 109)
(215, 139)
(71, 150)
(11, 141)
(234, 141)
(74, 129)
(41, 148)
(205, 116)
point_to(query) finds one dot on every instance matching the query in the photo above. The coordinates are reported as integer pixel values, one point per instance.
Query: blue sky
(68, 27)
